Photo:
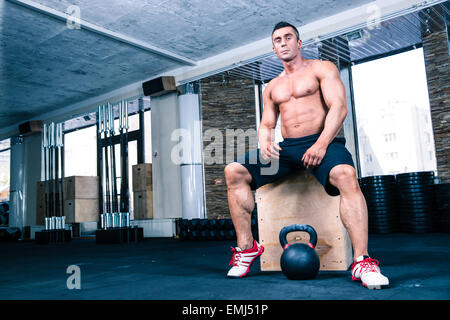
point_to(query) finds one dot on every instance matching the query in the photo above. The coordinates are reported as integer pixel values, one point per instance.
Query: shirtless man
(310, 97)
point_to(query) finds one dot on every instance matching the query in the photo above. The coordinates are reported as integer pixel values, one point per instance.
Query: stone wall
(227, 105)
(435, 48)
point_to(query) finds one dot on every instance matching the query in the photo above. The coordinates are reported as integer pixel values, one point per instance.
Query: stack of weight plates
(442, 207)
(379, 192)
(415, 201)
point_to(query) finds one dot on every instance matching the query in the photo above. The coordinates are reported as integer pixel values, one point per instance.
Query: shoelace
(369, 265)
(235, 257)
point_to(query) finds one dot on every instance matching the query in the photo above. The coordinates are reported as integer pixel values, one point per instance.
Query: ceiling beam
(61, 16)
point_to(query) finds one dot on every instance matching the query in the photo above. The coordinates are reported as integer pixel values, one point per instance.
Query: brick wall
(227, 104)
(437, 65)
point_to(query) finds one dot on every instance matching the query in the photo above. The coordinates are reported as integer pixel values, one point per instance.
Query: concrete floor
(171, 269)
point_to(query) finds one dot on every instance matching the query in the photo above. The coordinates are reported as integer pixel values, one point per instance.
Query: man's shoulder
(323, 64)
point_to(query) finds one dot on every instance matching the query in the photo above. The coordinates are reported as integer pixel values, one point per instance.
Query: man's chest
(287, 89)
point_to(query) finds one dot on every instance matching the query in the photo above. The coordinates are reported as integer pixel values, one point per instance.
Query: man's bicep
(333, 90)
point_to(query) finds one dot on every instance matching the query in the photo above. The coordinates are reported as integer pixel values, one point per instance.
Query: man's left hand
(314, 155)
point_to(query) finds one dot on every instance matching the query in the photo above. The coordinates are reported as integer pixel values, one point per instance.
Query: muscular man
(310, 97)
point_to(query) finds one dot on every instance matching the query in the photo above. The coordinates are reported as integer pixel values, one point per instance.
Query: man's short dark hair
(283, 24)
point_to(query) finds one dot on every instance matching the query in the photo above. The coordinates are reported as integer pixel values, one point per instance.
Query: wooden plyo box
(81, 187)
(142, 177)
(81, 210)
(301, 199)
(143, 205)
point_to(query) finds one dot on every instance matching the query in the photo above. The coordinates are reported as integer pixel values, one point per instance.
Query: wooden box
(40, 213)
(143, 205)
(142, 177)
(300, 198)
(81, 210)
(81, 187)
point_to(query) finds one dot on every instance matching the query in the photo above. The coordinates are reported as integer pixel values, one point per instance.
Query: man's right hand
(269, 151)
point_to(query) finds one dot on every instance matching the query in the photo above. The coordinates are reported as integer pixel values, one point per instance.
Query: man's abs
(300, 120)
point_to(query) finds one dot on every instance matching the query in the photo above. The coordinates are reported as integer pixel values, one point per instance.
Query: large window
(80, 152)
(81, 144)
(5, 156)
(393, 118)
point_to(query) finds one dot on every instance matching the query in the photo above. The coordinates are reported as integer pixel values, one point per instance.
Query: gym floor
(171, 269)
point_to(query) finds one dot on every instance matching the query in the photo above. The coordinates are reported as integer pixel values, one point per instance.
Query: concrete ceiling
(45, 66)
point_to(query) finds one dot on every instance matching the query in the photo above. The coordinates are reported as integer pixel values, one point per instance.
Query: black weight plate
(378, 178)
(428, 183)
(415, 213)
(381, 229)
(385, 219)
(442, 195)
(378, 197)
(415, 188)
(418, 221)
(378, 219)
(381, 193)
(415, 174)
(416, 205)
(415, 197)
(381, 225)
(380, 203)
(378, 185)
(416, 178)
(418, 187)
(376, 201)
(387, 222)
(416, 202)
(381, 211)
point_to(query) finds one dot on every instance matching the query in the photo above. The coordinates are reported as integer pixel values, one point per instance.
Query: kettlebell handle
(298, 227)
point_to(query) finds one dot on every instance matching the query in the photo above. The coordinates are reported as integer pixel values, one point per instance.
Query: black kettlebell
(299, 261)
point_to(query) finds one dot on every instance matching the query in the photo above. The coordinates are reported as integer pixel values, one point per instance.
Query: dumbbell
(229, 224)
(212, 224)
(193, 224)
(220, 224)
(211, 234)
(202, 224)
(230, 235)
(220, 234)
(184, 223)
(184, 234)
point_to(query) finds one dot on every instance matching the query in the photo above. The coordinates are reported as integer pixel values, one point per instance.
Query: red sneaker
(242, 259)
(366, 270)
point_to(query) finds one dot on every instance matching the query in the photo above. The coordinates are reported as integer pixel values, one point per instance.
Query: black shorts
(264, 172)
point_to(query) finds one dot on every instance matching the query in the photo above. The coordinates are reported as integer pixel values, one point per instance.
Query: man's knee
(343, 176)
(236, 173)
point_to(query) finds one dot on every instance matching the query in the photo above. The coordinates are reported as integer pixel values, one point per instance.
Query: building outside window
(393, 115)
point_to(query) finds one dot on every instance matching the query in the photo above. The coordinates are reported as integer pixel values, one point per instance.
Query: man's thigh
(264, 172)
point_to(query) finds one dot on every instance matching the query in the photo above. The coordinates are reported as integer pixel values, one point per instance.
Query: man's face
(285, 43)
